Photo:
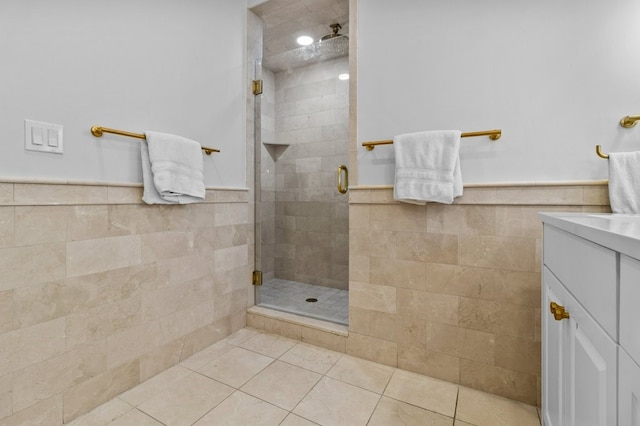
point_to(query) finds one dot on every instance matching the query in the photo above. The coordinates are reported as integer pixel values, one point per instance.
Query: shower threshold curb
(325, 326)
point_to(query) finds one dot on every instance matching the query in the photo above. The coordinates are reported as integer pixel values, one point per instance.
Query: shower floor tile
(290, 296)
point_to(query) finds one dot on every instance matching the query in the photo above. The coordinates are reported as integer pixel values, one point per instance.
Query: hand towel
(624, 182)
(172, 169)
(427, 167)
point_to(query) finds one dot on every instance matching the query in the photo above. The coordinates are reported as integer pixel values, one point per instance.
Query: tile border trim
(40, 192)
(570, 193)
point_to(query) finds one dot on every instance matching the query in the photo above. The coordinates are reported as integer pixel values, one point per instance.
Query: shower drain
(311, 300)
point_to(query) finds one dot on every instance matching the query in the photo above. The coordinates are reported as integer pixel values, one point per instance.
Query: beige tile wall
(453, 291)
(99, 292)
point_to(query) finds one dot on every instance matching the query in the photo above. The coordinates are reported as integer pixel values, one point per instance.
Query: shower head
(335, 28)
(330, 46)
(334, 42)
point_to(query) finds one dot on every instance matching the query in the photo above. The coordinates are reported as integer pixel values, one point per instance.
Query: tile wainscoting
(100, 292)
(453, 291)
(449, 291)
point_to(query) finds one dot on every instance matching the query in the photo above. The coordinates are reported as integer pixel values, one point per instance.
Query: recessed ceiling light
(304, 40)
(343, 76)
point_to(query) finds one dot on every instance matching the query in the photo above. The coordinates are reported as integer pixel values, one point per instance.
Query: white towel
(427, 167)
(624, 182)
(171, 169)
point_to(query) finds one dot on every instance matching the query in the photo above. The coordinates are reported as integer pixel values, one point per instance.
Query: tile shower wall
(311, 217)
(453, 291)
(99, 292)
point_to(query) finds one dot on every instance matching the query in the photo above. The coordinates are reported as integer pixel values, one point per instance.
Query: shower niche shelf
(275, 150)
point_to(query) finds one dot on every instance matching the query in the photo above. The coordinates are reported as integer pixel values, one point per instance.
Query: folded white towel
(171, 169)
(624, 182)
(427, 167)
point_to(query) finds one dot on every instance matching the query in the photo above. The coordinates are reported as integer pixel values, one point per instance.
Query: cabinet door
(595, 375)
(585, 364)
(629, 391)
(554, 336)
(629, 298)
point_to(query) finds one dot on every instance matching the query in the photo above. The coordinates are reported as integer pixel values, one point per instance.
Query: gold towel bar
(629, 121)
(600, 153)
(97, 131)
(626, 122)
(493, 135)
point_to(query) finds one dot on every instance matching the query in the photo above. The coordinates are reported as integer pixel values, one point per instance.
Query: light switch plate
(44, 137)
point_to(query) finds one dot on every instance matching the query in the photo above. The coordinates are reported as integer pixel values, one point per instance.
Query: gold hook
(600, 153)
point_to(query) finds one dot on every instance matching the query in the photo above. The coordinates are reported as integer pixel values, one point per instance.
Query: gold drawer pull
(558, 311)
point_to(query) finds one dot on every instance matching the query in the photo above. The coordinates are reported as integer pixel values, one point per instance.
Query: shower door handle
(343, 186)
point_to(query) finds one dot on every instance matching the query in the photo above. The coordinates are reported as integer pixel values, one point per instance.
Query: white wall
(556, 76)
(176, 66)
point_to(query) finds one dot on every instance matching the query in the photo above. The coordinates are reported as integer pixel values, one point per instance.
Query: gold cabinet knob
(558, 311)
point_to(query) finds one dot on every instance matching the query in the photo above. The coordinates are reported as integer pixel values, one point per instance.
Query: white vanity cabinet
(579, 381)
(590, 321)
(629, 356)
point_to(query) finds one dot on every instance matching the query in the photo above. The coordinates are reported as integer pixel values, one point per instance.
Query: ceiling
(286, 20)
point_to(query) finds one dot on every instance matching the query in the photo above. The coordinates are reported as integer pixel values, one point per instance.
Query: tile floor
(290, 296)
(254, 378)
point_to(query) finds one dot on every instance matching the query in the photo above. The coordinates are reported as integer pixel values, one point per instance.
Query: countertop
(619, 232)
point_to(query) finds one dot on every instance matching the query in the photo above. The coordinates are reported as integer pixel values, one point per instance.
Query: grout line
(374, 408)
(422, 408)
(455, 408)
(389, 381)
(218, 404)
(118, 398)
(322, 376)
(148, 415)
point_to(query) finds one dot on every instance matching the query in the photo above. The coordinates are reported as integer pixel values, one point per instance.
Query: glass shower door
(301, 217)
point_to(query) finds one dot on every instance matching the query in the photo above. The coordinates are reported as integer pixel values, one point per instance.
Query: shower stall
(301, 149)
